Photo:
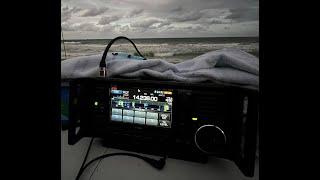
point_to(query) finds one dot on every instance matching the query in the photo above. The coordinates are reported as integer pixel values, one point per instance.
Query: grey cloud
(200, 28)
(163, 24)
(135, 12)
(218, 21)
(170, 27)
(195, 28)
(79, 27)
(123, 29)
(67, 12)
(191, 16)
(214, 13)
(177, 9)
(107, 27)
(86, 27)
(244, 14)
(167, 18)
(67, 27)
(94, 11)
(108, 19)
(145, 23)
(209, 21)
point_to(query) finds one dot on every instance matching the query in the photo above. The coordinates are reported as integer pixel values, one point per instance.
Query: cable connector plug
(158, 164)
(103, 72)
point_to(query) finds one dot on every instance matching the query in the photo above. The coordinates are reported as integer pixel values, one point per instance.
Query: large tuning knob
(210, 139)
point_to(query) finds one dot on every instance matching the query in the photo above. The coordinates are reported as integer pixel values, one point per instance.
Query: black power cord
(86, 156)
(97, 166)
(158, 164)
(103, 64)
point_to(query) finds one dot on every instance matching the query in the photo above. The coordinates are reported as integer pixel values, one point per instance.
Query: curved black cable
(159, 164)
(97, 166)
(87, 153)
(104, 56)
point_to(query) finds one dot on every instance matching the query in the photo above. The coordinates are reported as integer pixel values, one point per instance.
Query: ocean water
(172, 49)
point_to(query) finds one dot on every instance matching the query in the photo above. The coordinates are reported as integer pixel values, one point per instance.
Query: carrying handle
(74, 107)
(246, 161)
(103, 65)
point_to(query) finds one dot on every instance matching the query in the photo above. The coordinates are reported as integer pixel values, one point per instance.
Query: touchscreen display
(151, 107)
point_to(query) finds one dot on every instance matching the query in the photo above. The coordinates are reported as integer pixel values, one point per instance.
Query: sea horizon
(172, 49)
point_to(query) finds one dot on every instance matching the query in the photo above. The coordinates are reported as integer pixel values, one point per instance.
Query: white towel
(227, 66)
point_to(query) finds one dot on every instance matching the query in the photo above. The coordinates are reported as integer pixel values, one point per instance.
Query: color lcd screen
(150, 107)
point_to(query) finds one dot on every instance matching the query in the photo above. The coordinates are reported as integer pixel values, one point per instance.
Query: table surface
(131, 168)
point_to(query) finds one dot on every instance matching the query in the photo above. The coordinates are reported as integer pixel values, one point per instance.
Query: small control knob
(210, 139)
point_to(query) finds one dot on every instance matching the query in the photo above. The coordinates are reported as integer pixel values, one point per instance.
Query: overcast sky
(105, 19)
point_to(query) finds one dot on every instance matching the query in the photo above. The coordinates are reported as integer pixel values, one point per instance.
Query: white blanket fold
(227, 66)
